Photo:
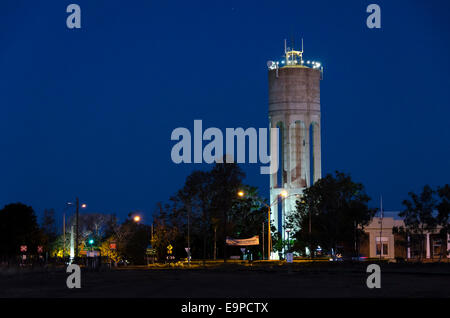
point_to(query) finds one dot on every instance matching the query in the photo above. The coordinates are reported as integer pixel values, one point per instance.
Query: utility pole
(189, 242)
(262, 240)
(381, 226)
(77, 227)
(269, 236)
(310, 240)
(215, 241)
(64, 234)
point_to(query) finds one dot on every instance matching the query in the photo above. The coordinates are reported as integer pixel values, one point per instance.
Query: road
(298, 281)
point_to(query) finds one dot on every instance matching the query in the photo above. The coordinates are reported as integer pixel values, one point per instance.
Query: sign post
(169, 252)
(150, 252)
(23, 250)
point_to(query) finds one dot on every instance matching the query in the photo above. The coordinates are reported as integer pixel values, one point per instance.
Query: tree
(443, 217)
(132, 240)
(331, 213)
(226, 181)
(208, 199)
(48, 228)
(18, 226)
(195, 198)
(165, 230)
(418, 216)
(248, 215)
(105, 250)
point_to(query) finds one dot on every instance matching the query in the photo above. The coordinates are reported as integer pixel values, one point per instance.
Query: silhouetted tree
(443, 217)
(132, 240)
(418, 216)
(48, 227)
(336, 209)
(18, 226)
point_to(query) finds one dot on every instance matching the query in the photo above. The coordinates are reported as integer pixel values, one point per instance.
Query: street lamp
(77, 207)
(137, 218)
(284, 195)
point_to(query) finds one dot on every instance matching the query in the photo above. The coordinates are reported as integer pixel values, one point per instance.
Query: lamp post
(189, 235)
(137, 219)
(284, 195)
(77, 211)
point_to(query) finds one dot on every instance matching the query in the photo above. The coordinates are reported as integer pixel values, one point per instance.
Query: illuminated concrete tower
(294, 107)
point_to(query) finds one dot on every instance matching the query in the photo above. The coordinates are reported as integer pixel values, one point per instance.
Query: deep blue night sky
(90, 112)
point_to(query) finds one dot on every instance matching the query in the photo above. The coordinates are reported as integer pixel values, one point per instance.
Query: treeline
(426, 212)
(331, 214)
(207, 210)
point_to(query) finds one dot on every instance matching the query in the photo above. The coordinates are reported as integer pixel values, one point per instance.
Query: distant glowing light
(137, 218)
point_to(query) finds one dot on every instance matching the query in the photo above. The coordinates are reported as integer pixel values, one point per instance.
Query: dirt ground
(295, 281)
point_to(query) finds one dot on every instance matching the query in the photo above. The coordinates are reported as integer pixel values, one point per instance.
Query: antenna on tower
(293, 57)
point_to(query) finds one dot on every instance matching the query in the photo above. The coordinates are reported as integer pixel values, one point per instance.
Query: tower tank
(294, 108)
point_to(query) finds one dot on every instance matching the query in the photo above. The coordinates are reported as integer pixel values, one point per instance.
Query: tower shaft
(294, 108)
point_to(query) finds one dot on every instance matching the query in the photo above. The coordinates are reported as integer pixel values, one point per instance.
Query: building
(380, 239)
(294, 108)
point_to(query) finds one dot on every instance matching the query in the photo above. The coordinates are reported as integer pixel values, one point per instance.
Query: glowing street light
(137, 218)
(77, 208)
(284, 195)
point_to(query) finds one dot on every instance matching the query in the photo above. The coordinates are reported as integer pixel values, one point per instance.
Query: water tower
(294, 107)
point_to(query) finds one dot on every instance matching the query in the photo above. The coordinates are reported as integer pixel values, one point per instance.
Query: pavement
(240, 280)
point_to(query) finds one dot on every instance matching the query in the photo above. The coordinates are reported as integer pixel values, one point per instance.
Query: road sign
(92, 253)
(151, 251)
(23, 248)
(112, 246)
(289, 257)
(169, 249)
(40, 249)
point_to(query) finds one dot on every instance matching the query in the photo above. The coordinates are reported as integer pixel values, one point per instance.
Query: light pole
(189, 238)
(137, 219)
(77, 209)
(284, 195)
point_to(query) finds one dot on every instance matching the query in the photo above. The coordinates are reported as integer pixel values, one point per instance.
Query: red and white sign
(40, 249)
(112, 246)
(23, 248)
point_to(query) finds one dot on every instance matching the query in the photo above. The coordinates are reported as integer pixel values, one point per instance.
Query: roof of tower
(294, 59)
